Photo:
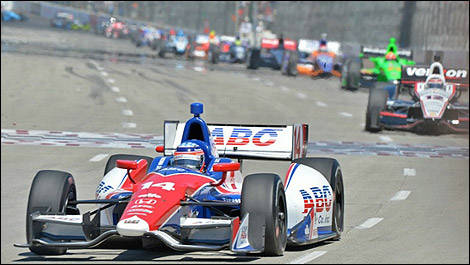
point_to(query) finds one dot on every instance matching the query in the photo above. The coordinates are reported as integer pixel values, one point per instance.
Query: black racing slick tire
(253, 59)
(112, 160)
(377, 102)
(50, 193)
(331, 170)
(350, 75)
(264, 199)
(289, 66)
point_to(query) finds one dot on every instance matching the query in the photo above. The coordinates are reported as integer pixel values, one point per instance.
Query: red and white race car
(193, 197)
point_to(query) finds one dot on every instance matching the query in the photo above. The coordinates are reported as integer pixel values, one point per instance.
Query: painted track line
(121, 99)
(386, 139)
(127, 112)
(401, 195)
(321, 104)
(370, 223)
(128, 125)
(98, 157)
(345, 114)
(307, 258)
(301, 95)
(115, 89)
(409, 172)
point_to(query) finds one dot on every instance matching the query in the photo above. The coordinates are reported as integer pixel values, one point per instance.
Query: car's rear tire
(350, 75)
(49, 194)
(377, 102)
(331, 170)
(263, 197)
(253, 59)
(112, 160)
(289, 66)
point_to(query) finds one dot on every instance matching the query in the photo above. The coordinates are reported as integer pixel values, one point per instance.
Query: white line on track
(321, 104)
(269, 83)
(127, 112)
(301, 95)
(115, 89)
(128, 125)
(110, 80)
(98, 157)
(284, 89)
(401, 195)
(409, 172)
(104, 73)
(121, 99)
(369, 223)
(385, 138)
(345, 114)
(309, 257)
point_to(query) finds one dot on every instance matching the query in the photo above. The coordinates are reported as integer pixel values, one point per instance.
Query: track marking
(115, 89)
(284, 89)
(127, 112)
(401, 195)
(409, 172)
(309, 257)
(98, 157)
(128, 125)
(386, 138)
(301, 95)
(104, 73)
(369, 223)
(321, 104)
(269, 83)
(345, 114)
(198, 69)
(121, 99)
(110, 80)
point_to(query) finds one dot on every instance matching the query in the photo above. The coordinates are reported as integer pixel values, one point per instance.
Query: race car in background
(148, 36)
(433, 107)
(318, 60)
(116, 29)
(63, 20)
(387, 65)
(272, 55)
(176, 44)
(201, 48)
(8, 13)
(193, 197)
(231, 50)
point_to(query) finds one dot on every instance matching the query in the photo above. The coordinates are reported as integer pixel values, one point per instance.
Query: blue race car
(194, 197)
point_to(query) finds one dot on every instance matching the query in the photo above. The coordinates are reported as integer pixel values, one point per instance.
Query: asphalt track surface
(399, 207)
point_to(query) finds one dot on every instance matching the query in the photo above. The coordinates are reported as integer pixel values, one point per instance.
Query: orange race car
(318, 58)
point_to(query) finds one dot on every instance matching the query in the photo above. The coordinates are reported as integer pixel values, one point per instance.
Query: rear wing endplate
(279, 142)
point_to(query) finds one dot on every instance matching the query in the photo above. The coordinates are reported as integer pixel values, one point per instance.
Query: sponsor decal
(103, 188)
(131, 221)
(243, 136)
(448, 73)
(149, 195)
(146, 201)
(140, 210)
(323, 199)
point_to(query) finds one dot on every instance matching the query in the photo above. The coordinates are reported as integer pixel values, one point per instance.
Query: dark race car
(272, 54)
(193, 197)
(433, 107)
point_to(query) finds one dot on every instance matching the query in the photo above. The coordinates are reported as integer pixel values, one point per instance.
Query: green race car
(387, 64)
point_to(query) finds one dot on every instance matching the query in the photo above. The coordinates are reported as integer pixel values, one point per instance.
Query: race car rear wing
(373, 52)
(308, 46)
(274, 43)
(418, 73)
(278, 142)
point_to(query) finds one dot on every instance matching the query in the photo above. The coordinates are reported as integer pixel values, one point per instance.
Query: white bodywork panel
(307, 188)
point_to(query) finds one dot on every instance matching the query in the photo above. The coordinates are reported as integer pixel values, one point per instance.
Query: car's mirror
(160, 148)
(126, 164)
(224, 167)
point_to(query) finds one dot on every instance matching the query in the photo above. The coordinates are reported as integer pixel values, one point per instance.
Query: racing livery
(272, 54)
(433, 107)
(319, 60)
(194, 197)
(387, 64)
